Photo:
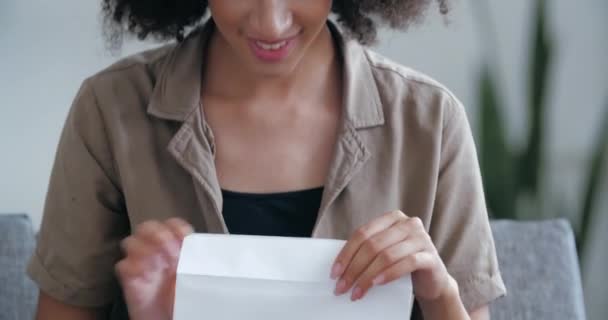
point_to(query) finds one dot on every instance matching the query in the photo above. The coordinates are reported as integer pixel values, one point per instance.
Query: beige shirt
(136, 147)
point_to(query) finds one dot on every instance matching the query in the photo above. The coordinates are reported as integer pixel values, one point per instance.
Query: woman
(268, 120)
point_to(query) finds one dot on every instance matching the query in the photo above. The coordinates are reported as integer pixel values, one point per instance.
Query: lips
(271, 46)
(272, 51)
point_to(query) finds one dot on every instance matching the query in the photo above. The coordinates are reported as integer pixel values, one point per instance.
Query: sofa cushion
(18, 294)
(539, 265)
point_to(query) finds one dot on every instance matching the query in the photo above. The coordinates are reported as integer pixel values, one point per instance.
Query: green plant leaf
(530, 162)
(496, 160)
(597, 165)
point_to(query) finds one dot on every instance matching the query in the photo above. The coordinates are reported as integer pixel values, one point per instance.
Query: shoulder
(136, 73)
(405, 91)
(117, 96)
(145, 61)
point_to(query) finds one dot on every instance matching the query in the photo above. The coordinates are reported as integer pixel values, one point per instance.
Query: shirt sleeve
(84, 217)
(460, 225)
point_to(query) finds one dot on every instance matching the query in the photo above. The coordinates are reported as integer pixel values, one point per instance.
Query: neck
(313, 76)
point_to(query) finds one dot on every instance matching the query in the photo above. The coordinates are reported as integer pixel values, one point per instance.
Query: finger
(415, 262)
(179, 227)
(129, 270)
(385, 260)
(363, 233)
(134, 246)
(368, 251)
(137, 249)
(126, 270)
(416, 224)
(161, 237)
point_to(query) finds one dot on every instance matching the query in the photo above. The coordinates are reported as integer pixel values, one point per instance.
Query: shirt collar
(176, 94)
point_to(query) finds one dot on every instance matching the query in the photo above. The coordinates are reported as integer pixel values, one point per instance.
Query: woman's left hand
(387, 249)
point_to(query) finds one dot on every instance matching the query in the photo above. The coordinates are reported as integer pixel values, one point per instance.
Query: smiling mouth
(272, 51)
(271, 46)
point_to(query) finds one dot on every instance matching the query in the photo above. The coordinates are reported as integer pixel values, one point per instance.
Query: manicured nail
(379, 280)
(357, 294)
(340, 287)
(336, 271)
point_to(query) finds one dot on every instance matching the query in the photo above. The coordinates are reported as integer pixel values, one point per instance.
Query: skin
(291, 110)
(391, 247)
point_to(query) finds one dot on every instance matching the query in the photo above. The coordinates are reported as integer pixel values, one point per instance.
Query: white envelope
(230, 277)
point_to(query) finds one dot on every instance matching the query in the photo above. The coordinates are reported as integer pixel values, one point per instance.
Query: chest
(371, 171)
(261, 147)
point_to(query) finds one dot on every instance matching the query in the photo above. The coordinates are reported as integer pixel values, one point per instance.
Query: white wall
(49, 47)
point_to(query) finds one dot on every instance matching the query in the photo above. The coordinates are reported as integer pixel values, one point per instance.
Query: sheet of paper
(233, 277)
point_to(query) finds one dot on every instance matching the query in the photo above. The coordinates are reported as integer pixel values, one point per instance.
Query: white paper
(230, 277)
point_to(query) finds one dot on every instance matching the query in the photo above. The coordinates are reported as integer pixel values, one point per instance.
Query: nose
(271, 19)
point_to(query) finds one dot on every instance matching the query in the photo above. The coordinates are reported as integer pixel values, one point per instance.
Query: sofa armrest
(539, 265)
(18, 294)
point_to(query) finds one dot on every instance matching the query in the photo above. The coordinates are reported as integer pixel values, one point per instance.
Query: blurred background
(533, 75)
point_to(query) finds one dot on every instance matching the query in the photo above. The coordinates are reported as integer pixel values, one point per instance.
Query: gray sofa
(18, 293)
(538, 262)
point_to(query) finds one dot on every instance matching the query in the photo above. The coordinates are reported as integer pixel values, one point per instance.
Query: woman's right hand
(147, 273)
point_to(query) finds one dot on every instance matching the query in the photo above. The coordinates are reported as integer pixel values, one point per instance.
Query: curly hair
(170, 19)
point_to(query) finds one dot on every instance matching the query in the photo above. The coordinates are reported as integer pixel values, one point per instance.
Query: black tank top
(287, 214)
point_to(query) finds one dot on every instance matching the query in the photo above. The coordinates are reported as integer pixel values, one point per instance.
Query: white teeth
(271, 46)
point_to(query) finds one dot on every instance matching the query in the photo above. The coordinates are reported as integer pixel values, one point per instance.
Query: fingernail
(340, 287)
(336, 270)
(379, 280)
(357, 294)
